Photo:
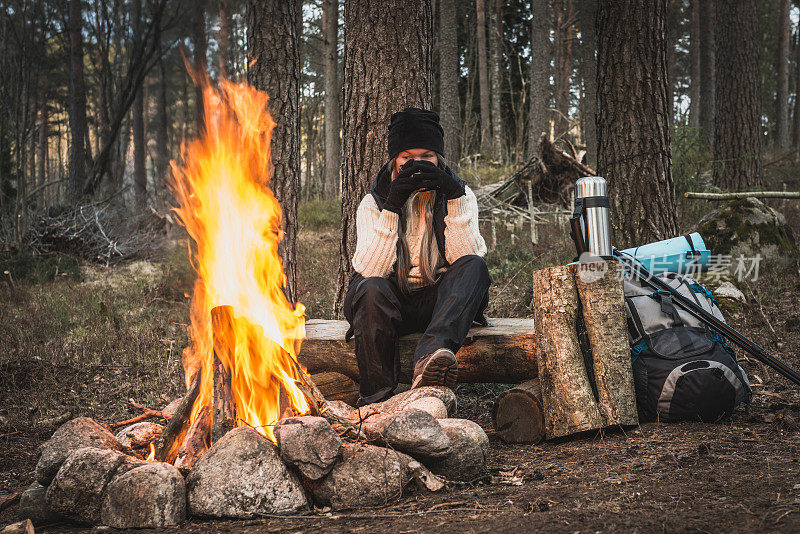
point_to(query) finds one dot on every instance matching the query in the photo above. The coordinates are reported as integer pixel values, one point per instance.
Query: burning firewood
(168, 443)
(197, 441)
(224, 342)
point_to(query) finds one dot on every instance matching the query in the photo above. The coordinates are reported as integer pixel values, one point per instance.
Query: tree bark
(375, 38)
(782, 93)
(274, 66)
(172, 437)
(696, 69)
(77, 105)
(448, 81)
(503, 353)
(518, 414)
(587, 18)
(200, 58)
(708, 17)
(563, 63)
(632, 127)
(603, 308)
(737, 128)
(333, 117)
(197, 441)
(336, 386)
(137, 111)
(567, 397)
(540, 74)
(496, 48)
(483, 79)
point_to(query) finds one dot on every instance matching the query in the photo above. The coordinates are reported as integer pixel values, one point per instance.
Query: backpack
(682, 369)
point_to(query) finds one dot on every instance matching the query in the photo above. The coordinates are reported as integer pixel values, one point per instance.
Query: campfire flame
(234, 221)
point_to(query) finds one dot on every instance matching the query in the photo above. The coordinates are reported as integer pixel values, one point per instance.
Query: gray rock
(242, 476)
(432, 405)
(466, 460)
(413, 432)
(749, 227)
(139, 435)
(340, 408)
(365, 476)
(78, 488)
(472, 428)
(150, 496)
(33, 506)
(308, 443)
(726, 290)
(71, 436)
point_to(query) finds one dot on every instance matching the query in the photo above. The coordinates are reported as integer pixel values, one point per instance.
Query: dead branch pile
(99, 233)
(548, 178)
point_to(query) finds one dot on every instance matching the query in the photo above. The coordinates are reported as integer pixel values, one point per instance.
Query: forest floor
(86, 340)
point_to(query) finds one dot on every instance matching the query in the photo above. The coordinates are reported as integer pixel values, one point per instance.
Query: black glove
(446, 183)
(404, 185)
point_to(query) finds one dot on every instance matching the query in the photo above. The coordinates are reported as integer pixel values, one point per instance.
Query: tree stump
(602, 298)
(518, 414)
(568, 400)
(224, 343)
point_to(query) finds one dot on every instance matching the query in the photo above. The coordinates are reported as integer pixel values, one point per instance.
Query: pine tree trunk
(139, 174)
(162, 124)
(737, 128)
(708, 17)
(587, 18)
(694, 53)
(632, 127)
(540, 74)
(563, 63)
(223, 38)
(796, 116)
(495, 46)
(274, 66)
(448, 81)
(77, 105)
(333, 117)
(200, 58)
(374, 40)
(782, 96)
(43, 153)
(483, 79)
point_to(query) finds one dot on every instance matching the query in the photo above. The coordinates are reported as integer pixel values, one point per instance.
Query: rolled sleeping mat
(684, 254)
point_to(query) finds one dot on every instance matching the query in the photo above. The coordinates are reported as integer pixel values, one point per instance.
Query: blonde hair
(430, 258)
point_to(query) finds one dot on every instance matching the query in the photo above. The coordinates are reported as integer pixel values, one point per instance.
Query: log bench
(503, 353)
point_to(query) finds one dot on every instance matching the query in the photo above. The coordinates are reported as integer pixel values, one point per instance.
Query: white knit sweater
(376, 245)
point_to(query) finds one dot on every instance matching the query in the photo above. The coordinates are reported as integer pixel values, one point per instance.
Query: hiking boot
(437, 369)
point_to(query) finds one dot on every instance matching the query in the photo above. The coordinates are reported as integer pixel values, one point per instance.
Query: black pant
(380, 313)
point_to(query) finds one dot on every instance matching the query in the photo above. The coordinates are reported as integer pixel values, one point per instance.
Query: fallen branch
(147, 414)
(742, 194)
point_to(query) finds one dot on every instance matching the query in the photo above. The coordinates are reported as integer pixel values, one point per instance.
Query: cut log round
(602, 298)
(336, 386)
(568, 400)
(518, 414)
(503, 353)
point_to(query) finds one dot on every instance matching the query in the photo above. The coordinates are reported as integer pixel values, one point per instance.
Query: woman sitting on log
(418, 261)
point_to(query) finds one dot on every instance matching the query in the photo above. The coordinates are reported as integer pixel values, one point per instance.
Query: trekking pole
(702, 315)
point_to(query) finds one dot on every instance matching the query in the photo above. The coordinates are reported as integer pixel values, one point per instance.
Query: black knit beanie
(414, 128)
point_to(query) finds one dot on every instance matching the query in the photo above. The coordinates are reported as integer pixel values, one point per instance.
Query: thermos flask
(590, 222)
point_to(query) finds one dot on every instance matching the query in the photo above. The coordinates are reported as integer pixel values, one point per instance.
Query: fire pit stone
(242, 476)
(150, 496)
(365, 476)
(472, 428)
(71, 436)
(78, 488)
(139, 433)
(308, 443)
(33, 506)
(411, 431)
(466, 461)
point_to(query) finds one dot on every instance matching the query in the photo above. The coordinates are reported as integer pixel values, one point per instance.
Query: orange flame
(234, 221)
